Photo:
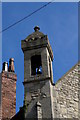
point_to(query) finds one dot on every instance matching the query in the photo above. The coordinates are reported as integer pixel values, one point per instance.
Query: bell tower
(38, 75)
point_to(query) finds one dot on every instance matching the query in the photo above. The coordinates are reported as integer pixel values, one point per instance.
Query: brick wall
(0, 98)
(66, 95)
(8, 94)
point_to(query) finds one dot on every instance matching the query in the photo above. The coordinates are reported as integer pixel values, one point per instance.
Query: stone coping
(68, 72)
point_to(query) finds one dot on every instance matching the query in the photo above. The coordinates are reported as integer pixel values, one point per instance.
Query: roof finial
(36, 28)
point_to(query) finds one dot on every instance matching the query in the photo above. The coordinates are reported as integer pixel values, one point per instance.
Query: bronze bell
(39, 71)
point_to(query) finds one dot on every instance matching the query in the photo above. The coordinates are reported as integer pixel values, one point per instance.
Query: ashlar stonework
(66, 94)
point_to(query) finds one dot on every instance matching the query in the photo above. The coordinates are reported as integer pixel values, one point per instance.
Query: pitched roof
(19, 115)
(78, 64)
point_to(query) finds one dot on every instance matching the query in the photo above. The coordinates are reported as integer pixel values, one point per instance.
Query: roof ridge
(68, 72)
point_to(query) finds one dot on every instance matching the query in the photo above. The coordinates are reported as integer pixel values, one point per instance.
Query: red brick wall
(8, 94)
(0, 98)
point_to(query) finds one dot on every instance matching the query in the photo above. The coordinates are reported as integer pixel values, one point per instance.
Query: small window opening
(36, 65)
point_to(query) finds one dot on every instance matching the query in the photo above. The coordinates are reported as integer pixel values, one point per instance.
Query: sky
(58, 20)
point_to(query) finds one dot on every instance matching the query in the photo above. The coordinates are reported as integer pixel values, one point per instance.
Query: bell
(39, 71)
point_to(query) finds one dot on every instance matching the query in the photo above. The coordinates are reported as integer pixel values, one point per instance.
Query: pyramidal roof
(35, 35)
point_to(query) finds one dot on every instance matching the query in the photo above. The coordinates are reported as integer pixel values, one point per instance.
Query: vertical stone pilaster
(39, 111)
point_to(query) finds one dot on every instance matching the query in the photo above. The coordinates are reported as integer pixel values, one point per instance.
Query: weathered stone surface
(66, 95)
(38, 87)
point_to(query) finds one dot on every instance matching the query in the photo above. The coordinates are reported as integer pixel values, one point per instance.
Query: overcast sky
(58, 20)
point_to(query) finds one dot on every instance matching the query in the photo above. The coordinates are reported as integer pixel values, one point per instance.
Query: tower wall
(39, 91)
(37, 82)
(27, 63)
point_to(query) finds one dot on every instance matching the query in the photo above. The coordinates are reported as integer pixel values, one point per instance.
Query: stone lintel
(37, 80)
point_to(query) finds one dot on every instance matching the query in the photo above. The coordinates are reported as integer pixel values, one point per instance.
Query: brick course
(8, 92)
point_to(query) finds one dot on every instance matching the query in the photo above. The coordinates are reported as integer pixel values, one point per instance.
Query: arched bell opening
(36, 65)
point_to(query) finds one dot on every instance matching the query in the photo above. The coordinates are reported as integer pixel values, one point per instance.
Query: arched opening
(36, 65)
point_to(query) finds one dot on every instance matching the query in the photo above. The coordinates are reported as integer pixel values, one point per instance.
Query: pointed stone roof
(35, 35)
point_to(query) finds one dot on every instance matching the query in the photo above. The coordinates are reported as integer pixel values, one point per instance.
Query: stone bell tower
(38, 75)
